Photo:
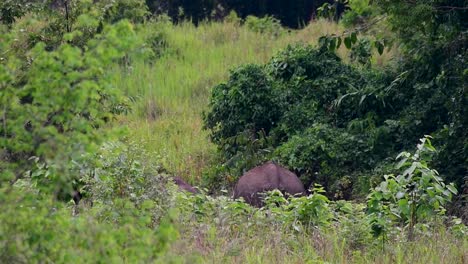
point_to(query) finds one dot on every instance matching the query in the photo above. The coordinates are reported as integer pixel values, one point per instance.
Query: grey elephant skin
(267, 177)
(184, 186)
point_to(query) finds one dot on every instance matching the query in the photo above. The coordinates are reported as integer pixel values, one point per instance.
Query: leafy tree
(10, 10)
(244, 103)
(54, 110)
(433, 90)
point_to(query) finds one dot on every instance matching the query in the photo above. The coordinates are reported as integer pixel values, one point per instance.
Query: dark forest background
(292, 14)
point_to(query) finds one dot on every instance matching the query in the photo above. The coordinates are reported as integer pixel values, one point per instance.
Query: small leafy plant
(305, 211)
(412, 196)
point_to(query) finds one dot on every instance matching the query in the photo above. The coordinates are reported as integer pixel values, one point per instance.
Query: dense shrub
(296, 103)
(10, 10)
(295, 89)
(244, 103)
(52, 67)
(433, 92)
(326, 155)
(332, 122)
(123, 171)
(268, 25)
(126, 215)
(359, 12)
(49, 21)
(54, 105)
(135, 11)
(36, 229)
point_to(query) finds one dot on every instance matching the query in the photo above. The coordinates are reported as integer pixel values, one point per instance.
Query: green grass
(172, 92)
(227, 237)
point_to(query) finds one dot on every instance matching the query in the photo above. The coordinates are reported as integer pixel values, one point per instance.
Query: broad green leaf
(452, 189)
(347, 42)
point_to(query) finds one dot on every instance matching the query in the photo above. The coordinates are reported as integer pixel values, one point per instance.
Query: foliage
(388, 108)
(322, 154)
(255, 99)
(245, 102)
(232, 17)
(55, 19)
(122, 171)
(307, 211)
(135, 11)
(10, 10)
(353, 224)
(296, 105)
(130, 220)
(293, 14)
(332, 9)
(70, 96)
(433, 37)
(267, 24)
(359, 12)
(350, 115)
(155, 38)
(413, 196)
(43, 231)
(362, 52)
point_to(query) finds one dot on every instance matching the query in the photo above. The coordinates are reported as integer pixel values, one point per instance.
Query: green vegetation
(103, 103)
(167, 113)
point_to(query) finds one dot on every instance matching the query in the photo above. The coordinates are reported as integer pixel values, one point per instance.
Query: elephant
(184, 186)
(267, 177)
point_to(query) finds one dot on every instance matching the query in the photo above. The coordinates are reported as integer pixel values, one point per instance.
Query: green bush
(126, 215)
(361, 52)
(359, 12)
(415, 195)
(433, 77)
(325, 155)
(11, 10)
(244, 104)
(135, 11)
(297, 88)
(296, 104)
(53, 110)
(123, 171)
(268, 25)
(353, 225)
(44, 231)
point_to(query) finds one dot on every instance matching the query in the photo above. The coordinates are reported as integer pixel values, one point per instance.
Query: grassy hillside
(172, 92)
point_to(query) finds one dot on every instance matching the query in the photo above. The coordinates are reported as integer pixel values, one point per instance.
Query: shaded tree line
(291, 13)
